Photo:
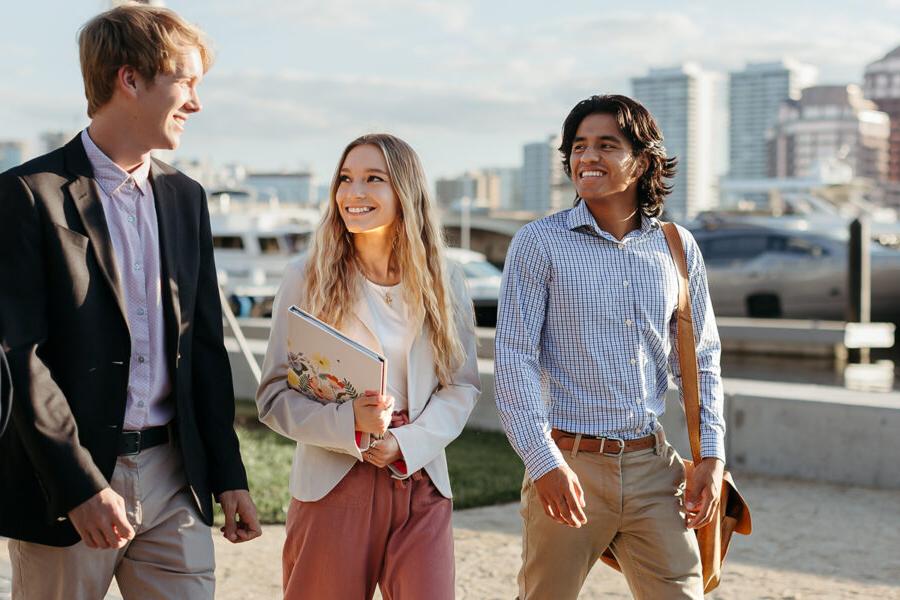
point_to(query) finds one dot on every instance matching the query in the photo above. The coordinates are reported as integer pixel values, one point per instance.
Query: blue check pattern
(586, 335)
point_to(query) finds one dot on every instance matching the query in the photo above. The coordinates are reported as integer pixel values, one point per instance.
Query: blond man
(122, 432)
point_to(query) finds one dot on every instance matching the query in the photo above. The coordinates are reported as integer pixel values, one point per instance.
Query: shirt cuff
(543, 459)
(712, 446)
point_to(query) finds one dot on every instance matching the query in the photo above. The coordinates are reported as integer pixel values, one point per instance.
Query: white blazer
(325, 436)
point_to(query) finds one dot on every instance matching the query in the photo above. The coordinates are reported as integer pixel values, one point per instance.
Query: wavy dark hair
(641, 130)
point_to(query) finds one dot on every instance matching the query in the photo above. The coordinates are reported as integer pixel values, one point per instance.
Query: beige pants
(170, 557)
(634, 506)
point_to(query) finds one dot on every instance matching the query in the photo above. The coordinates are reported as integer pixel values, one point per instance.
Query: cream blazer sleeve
(448, 408)
(286, 411)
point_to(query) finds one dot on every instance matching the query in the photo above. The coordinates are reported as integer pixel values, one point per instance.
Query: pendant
(387, 299)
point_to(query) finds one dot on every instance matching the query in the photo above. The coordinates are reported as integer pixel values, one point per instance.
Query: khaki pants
(634, 506)
(170, 557)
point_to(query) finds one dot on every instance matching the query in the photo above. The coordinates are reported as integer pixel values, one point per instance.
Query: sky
(467, 83)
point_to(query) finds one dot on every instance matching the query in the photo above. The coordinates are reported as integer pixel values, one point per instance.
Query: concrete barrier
(813, 432)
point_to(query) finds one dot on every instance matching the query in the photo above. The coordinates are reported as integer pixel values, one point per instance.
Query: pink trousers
(370, 529)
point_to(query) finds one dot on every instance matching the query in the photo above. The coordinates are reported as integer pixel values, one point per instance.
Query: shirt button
(628, 322)
(625, 283)
(131, 218)
(141, 359)
(632, 361)
(621, 246)
(140, 312)
(137, 266)
(141, 404)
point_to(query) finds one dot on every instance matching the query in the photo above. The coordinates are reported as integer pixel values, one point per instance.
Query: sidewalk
(810, 541)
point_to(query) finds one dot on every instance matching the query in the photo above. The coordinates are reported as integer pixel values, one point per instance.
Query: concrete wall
(814, 432)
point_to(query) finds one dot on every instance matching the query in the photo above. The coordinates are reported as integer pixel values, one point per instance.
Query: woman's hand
(383, 452)
(372, 412)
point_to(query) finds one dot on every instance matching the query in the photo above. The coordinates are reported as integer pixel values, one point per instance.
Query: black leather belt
(132, 442)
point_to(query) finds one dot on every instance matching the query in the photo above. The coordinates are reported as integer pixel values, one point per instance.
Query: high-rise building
(681, 101)
(882, 86)
(12, 153)
(830, 124)
(491, 188)
(510, 182)
(545, 186)
(755, 96)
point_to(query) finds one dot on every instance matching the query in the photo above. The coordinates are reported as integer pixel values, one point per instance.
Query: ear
(127, 80)
(641, 166)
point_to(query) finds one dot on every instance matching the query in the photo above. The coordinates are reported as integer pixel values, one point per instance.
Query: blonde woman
(376, 271)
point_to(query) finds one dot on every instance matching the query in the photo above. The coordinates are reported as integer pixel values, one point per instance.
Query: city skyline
(467, 85)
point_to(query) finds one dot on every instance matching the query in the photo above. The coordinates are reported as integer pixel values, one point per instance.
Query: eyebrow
(367, 171)
(608, 138)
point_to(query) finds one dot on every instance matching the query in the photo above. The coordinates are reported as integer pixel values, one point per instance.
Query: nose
(193, 104)
(358, 189)
(590, 154)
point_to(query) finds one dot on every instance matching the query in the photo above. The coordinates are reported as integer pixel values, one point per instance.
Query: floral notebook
(325, 364)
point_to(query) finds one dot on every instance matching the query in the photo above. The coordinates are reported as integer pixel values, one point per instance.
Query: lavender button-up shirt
(127, 200)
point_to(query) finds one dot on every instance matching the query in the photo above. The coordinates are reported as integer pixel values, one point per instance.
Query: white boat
(252, 247)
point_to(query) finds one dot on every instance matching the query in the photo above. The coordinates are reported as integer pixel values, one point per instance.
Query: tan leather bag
(733, 514)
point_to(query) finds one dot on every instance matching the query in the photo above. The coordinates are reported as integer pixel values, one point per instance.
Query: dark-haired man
(123, 422)
(587, 307)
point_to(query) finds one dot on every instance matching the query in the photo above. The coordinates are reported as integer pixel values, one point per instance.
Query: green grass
(484, 469)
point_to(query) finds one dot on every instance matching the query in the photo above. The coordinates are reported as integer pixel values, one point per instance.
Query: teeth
(358, 210)
(591, 174)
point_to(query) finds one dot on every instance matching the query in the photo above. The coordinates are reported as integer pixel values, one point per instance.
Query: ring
(374, 442)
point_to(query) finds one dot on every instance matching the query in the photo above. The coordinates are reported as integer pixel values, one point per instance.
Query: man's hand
(372, 412)
(101, 521)
(383, 452)
(561, 496)
(241, 523)
(704, 486)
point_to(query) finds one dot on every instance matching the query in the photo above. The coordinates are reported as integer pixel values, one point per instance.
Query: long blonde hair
(333, 276)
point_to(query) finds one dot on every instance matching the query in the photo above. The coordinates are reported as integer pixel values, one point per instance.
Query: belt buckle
(131, 443)
(614, 439)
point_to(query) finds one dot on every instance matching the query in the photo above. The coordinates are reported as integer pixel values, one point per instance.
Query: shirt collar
(110, 176)
(580, 217)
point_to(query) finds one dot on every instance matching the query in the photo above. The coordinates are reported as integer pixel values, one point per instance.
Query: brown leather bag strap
(687, 349)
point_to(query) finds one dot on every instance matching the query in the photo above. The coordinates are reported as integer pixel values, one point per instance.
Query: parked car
(483, 280)
(757, 271)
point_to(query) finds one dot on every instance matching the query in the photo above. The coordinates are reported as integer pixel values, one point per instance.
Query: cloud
(449, 15)
(294, 104)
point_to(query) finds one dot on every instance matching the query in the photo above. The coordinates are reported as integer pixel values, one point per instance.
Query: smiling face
(602, 160)
(365, 197)
(164, 105)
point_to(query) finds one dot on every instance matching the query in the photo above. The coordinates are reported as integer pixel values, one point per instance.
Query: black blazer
(62, 321)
